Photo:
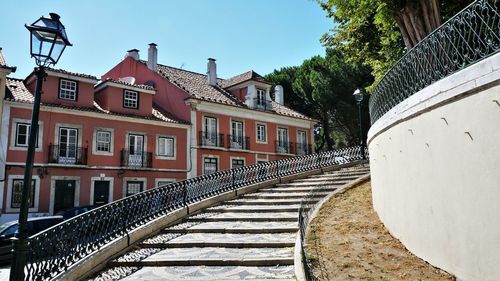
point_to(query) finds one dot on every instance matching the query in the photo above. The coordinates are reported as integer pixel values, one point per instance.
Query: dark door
(101, 192)
(64, 197)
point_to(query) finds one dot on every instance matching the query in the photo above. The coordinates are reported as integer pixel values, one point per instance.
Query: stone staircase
(249, 238)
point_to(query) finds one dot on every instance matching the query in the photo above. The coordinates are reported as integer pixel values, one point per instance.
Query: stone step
(291, 195)
(232, 230)
(269, 201)
(329, 178)
(212, 273)
(299, 189)
(221, 240)
(311, 184)
(209, 256)
(253, 209)
(255, 217)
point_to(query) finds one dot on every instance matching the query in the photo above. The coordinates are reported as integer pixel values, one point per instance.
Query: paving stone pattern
(249, 238)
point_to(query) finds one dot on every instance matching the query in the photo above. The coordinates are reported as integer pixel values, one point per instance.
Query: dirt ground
(347, 241)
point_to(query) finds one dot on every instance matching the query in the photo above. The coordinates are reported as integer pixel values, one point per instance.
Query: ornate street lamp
(358, 96)
(48, 41)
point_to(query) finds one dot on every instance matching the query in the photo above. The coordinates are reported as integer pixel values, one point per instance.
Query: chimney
(152, 57)
(279, 94)
(212, 72)
(134, 53)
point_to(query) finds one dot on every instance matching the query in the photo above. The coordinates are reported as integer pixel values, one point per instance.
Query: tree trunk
(416, 19)
(327, 132)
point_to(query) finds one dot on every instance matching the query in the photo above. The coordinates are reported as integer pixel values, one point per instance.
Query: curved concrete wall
(435, 168)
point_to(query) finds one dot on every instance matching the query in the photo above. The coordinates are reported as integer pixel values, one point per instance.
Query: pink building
(142, 125)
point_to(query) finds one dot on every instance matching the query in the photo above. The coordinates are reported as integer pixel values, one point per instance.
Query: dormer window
(261, 98)
(68, 89)
(130, 99)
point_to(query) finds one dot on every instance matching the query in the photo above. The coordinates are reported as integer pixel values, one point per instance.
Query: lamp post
(48, 41)
(358, 96)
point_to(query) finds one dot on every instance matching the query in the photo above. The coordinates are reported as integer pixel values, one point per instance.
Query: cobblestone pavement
(249, 238)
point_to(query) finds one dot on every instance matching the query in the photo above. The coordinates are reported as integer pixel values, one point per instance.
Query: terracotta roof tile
(71, 73)
(283, 110)
(3, 62)
(247, 76)
(17, 91)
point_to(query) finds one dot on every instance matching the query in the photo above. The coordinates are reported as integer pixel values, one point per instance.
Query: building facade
(140, 126)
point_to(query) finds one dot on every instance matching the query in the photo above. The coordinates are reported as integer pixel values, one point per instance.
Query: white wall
(435, 168)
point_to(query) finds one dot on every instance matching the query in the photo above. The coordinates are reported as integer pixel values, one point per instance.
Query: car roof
(45, 218)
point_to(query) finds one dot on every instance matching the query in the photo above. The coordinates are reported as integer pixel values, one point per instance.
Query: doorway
(101, 192)
(64, 197)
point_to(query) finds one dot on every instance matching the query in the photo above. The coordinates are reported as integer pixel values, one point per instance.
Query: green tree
(322, 88)
(376, 32)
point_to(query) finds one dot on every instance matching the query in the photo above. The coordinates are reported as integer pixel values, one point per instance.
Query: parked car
(73, 212)
(10, 229)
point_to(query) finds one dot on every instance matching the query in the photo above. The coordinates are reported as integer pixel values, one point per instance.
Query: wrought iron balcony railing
(210, 139)
(54, 250)
(137, 160)
(303, 149)
(66, 154)
(261, 104)
(470, 36)
(238, 142)
(284, 147)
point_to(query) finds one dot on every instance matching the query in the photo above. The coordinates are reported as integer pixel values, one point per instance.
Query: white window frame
(203, 163)
(234, 121)
(128, 100)
(10, 186)
(163, 180)
(237, 158)
(111, 144)
(68, 93)
(261, 102)
(174, 148)
(299, 141)
(13, 135)
(257, 133)
(127, 179)
(287, 140)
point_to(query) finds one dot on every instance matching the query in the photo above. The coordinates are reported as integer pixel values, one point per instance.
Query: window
(163, 182)
(103, 141)
(68, 145)
(237, 163)
(261, 133)
(166, 146)
(130, 99)
(261, 97)
(17, 191)
(236, 135)
(301, 142)
(67, 89)
(134, 187)
(22, 134)
(209, 136)
(209, 165)
(282, 140)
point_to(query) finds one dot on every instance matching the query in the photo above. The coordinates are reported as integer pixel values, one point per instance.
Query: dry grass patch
(347, 241)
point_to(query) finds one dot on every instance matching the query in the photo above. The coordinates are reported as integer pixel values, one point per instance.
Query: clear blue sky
(260, 34)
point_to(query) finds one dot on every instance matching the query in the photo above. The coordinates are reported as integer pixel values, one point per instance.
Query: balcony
(261, 104)
(65, 154)
(210, 139)
(284, 147)
(142, 160)
(238, 142)
(303, 149)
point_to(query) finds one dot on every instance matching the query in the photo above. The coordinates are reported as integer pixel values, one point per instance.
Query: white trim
(92, 186)
(8, 205)
(102, 115)
(157, 180)
(22, 164)
(111, 146)
(127, 179)
(165, 157)
(4, 138)
(203, 156)
(66, 76)
(287, 137)
(144, 141)
(105, 84)
(231, 158)
(53, 180)
(79, 128)
(74, 92)
(251, 114)
(192, 144)
(235, 119)
(257, 124)
(13, 134)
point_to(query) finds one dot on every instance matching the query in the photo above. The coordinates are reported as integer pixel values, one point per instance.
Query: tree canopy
(322, 88)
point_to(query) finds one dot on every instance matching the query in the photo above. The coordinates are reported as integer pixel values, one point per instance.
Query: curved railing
(56, 249)
(470, 36)
(307, 205)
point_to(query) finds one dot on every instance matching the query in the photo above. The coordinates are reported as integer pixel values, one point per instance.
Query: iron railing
(238, 142)
(284, 147)
(303, 148)
(470, 36)
(261, 104)
(210, 139)
(137, 160)
(66, 154)
(55, 249)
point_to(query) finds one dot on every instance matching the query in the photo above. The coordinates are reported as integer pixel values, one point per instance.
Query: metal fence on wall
(468, 37)
(56, 249)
